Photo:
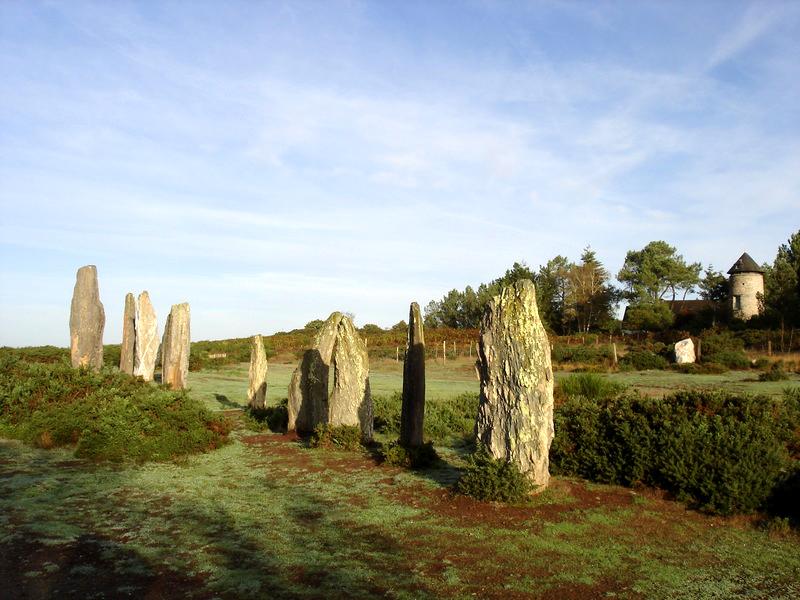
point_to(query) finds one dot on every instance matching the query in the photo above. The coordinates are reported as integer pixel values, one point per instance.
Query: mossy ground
(266, 516)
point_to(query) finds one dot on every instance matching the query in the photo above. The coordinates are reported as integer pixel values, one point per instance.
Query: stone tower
(745, 284)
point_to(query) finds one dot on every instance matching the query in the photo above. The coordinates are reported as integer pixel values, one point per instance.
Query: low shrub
(337, 437)
(107, 415)
(493, 480)
(761, 363)
(410, 457)
(730, 359)
(642, 360)
(272, 418)
(589, 385)
(582, 354)
(386, 411)
(446, 419)
(38, 354)
(773, 375)
(718, 452)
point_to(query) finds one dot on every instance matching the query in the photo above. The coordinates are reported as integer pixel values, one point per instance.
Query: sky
(271, 162)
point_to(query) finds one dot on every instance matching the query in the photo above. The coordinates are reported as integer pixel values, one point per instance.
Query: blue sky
(270, 162)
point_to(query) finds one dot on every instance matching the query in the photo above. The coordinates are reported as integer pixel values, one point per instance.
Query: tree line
(578, 297)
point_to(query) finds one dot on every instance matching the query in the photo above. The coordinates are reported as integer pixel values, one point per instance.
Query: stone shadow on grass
(184, 548)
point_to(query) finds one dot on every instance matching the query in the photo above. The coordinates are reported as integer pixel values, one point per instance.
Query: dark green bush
(272, 418)
(337, 437)
(40, 354)
(643, 360)
(730, 359)
(718, 452)
(581, 354)
(491, 480)
(724, 348)
(386, 411)
(107, 415)
(589, 385)
(761, 363)
(410, 457)
(773, 375)
(454, 417)
(111, 355)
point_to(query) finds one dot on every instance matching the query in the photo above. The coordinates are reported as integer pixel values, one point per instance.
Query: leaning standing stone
(127, 349)
(413, 414)
(176, 346)
(515, 415)
(87, 319)
(257, 392)
(308, 388)
(146, 347)
(351, 401)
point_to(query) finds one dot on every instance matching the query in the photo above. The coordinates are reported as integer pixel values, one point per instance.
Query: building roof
(689, 307)
(745, 264)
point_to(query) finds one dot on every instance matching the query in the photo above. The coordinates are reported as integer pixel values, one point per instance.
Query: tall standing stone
(257, 392)
(308, 388)
(176, 347)
(515, 415)
(146, 347)
(87, 320)
(351, 401)
(127, 349)
(413, 414)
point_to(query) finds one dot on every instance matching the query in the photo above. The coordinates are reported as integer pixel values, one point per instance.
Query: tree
(782, 283)
(552, 288)
(464, 310)
(714, 286)
(590, 300)
(315, 325)
(649, 316)
(655, 270)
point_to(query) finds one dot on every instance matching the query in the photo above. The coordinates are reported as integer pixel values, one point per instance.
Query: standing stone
(515, 415)
(176, 347)
(146, 347)
(127, 349)
(257, 392)
(87, 319)
(413, 414)
(684, 352)
(350, 401)
(308, 388)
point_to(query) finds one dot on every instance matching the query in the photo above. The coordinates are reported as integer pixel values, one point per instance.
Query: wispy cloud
(273, 162)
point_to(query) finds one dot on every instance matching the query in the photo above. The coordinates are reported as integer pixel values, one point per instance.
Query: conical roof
(745, 264)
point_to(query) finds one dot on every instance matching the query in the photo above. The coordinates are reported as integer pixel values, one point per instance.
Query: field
(268, 517)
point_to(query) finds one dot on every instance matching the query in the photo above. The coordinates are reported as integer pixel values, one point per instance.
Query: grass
(226, 388)
(268, 517)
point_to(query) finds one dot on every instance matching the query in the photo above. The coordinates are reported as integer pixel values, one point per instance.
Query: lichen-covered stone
(257, 392)
(127, 348)
(515, 415)
(413, 412)
(684, 352)
(308, 388)
(87, 320)
(146, 347)
(350, 401)
(176, 347)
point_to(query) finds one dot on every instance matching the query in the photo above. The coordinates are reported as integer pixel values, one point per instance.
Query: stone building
(745, 285)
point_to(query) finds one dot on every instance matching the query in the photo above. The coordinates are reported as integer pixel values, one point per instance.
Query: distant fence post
(444, 351)
(614, 346)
